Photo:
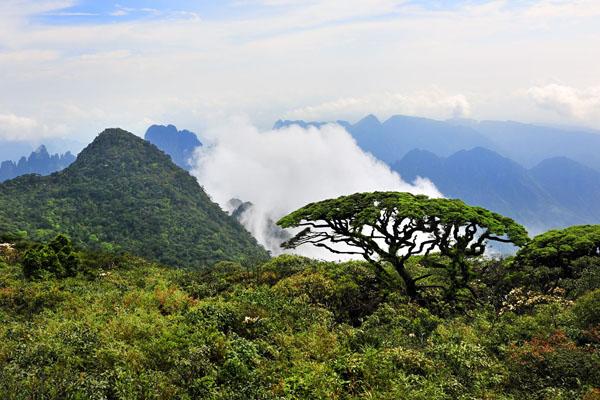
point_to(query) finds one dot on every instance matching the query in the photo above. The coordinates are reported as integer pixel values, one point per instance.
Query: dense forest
(94, 325)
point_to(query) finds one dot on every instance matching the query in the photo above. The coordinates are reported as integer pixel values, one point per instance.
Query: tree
(551, 256)
(391, 227)
(57, 257)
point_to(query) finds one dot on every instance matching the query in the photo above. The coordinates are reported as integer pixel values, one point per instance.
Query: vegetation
(57, 257)
(291, 328)
(123, 194)
(391, 227)
(424, 317)
(557, 257)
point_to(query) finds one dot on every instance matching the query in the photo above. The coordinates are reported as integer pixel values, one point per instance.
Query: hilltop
(124, 194)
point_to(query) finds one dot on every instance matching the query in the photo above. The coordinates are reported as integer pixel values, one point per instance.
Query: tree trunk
(409, 282)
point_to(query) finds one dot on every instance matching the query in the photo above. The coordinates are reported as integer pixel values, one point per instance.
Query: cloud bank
(578, 104)
(282, 170)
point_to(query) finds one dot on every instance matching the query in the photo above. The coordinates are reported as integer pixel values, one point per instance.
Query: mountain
(557, 192)
(526, 144)
(530, 144)
(571, 184)
(391, 140)
(281, 123)
(124, 194)
(180, 145)
(13, 150)
(39, 162)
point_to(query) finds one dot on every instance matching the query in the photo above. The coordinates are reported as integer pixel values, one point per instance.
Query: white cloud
(280, 171)
(565, 9)
(433, 104)
(315, 59)
(27, 56)
(579, 104)
(13, 127)
(119, 13)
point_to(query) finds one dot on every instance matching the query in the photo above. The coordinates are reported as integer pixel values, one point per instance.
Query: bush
(587, 310)
(556, 362)
(57, 258)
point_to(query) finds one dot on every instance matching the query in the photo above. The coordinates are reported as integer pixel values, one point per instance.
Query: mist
(279, 171)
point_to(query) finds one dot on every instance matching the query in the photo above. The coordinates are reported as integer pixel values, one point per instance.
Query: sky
(70, 68)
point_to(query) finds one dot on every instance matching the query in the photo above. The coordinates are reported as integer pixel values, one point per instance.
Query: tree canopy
(391, 227)
(559, 247)
(56, 257)
(549, 256)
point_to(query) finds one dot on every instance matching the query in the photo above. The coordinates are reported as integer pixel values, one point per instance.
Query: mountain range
(124, 194)
(526, 144)
(556, 192)
(39, 162)
(179, 145)
(543, 177)
(14, 149)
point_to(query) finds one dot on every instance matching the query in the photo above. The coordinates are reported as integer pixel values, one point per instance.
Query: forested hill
(122, 193)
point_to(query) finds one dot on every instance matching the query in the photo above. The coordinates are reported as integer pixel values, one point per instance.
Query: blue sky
(70, 68)
(91, 11)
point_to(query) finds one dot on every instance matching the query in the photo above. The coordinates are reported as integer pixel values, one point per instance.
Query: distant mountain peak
(370, 118)
(420, 153)
(480, 151)
(178, 144)
(561, 162)
(39, 162)
(41, 150)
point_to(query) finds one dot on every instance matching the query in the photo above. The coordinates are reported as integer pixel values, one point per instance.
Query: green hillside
(123, 194)
(293, 329)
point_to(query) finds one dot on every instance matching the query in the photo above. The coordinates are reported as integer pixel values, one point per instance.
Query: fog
(282, 170)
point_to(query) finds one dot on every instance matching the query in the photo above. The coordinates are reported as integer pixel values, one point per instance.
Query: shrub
(57, 258)
(587, 310)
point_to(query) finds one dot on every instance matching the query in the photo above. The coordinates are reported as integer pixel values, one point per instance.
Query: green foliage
(587, 310)
(549, 257)
(291, 328)
(553, 365)
(124, 195)
(391, 227)
(365, 208)
(57, 258)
